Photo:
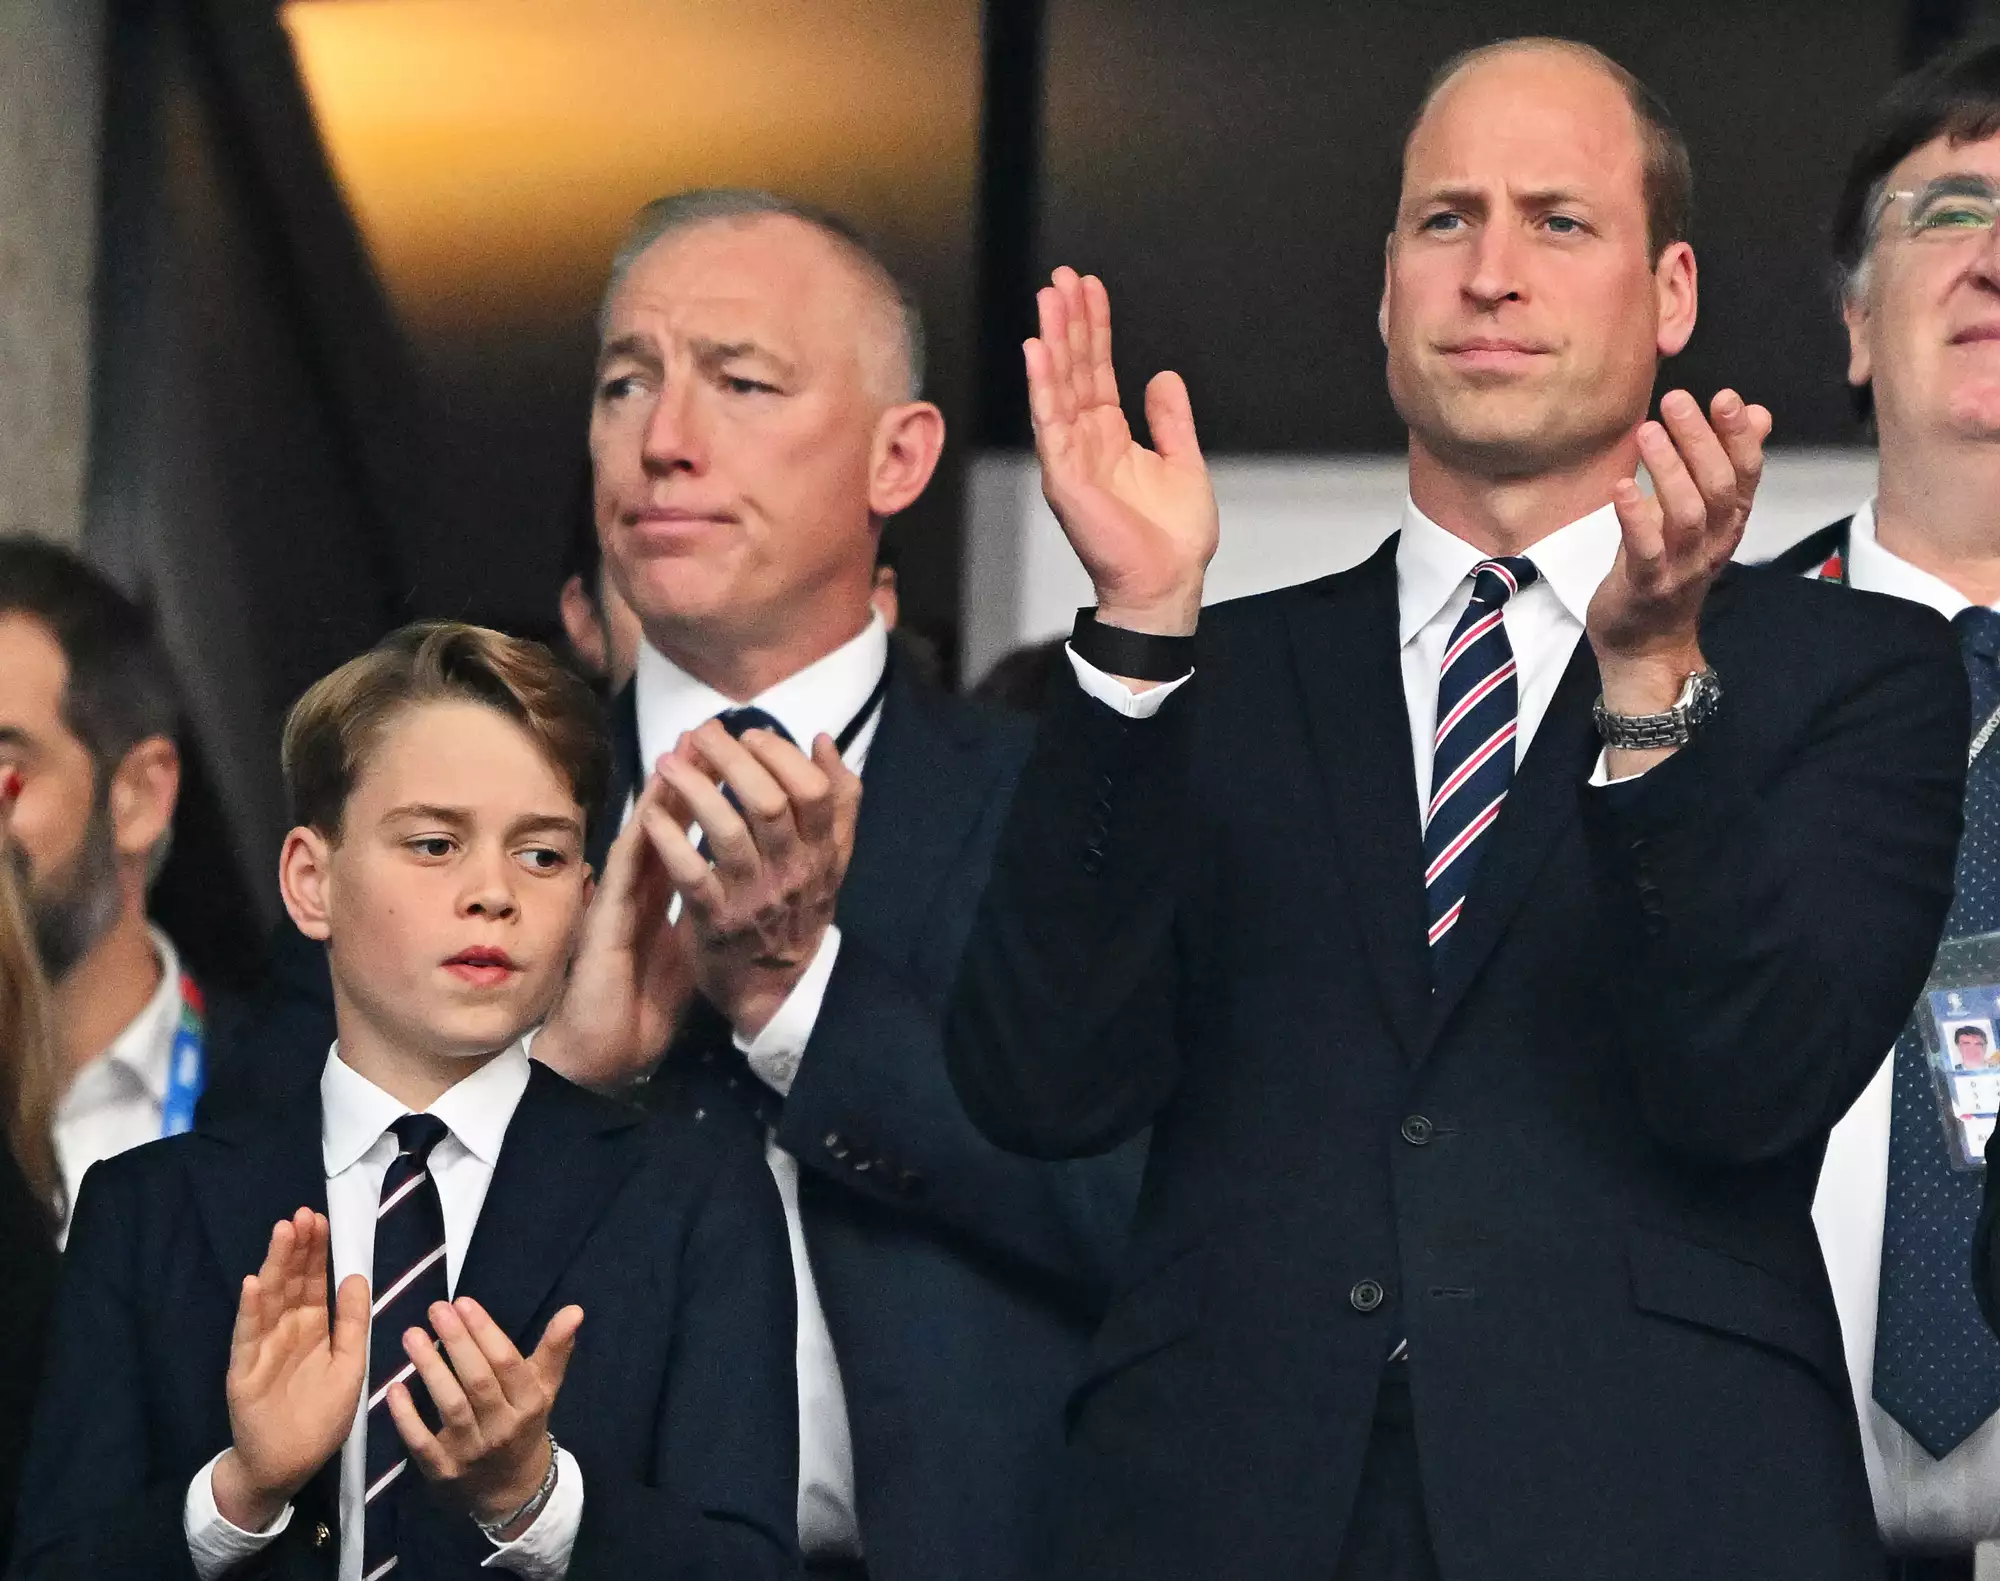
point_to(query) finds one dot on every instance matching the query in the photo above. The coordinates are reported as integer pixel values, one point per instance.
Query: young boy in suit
(560, 1339)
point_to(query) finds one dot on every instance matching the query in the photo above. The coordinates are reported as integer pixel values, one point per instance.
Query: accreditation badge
(1958, 1016)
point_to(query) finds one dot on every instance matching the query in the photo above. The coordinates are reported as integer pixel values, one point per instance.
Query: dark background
(299, 439)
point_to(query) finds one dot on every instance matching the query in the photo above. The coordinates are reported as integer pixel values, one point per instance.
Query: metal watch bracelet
(1701, 694)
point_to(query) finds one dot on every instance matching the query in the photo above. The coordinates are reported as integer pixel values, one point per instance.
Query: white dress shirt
(1921, 1504)
(115, 1101)
(358, 1146)
(821, 699)
(1433, 585)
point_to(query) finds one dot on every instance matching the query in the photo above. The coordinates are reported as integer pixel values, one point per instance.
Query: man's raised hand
(295, 1374)
(1143, 522)
(1644, 621)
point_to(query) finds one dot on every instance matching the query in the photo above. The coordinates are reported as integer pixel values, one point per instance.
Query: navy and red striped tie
(409, 1278)
(1472, 754)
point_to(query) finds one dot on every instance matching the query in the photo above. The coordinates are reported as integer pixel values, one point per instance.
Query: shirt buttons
(1365, 1296)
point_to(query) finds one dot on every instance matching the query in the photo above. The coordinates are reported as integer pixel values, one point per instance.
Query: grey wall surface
(50, 97)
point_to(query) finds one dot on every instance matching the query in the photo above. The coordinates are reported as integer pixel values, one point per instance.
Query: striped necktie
(1472, 754)
(409, 1277)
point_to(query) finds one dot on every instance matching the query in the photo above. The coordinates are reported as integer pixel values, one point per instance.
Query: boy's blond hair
(332, 729)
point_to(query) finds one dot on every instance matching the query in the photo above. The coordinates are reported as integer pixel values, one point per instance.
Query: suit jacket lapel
(925, 789)
(1345, 644)
(627, 774)
(262, 1164)
(1540, 804)
(565, 1155)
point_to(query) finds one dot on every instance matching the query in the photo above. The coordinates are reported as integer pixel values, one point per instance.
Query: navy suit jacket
(960, 1283)
(1571, 1160)
(679, 1404)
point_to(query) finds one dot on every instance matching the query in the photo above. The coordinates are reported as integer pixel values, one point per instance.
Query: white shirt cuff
(1601, 774)
(774, 1053)
(1115, 694)
(215, 1543)
(541, 1553)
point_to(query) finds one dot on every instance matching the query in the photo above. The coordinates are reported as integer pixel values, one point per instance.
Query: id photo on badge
(1958, 1017)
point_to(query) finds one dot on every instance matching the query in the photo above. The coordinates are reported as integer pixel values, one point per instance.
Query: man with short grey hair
(757, 417)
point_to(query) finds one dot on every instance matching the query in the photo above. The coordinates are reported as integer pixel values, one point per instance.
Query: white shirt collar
(1878, 570)
(820, 699)
(354, 1112)
(145, 1048)
(1431, 564)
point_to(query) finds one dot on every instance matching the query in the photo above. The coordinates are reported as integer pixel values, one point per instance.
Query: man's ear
(142, 794)
(908, 441)
(305, 880)
(1860, 354)
(1675, 280)
(1388, 274)
(582, 625)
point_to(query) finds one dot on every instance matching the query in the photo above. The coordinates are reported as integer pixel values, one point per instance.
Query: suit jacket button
(1417, 1130)
(322, 1535)
(836, 1146)
(1366, 1296)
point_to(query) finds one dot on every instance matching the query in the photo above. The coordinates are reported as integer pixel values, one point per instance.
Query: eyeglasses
(1951, 208)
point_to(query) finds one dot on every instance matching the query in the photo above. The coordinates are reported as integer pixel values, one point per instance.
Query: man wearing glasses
(1920, 293)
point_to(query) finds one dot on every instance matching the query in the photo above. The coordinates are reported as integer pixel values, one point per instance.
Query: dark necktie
(1937, 1364)
(409, 1276)
(1472, 753)
(737, 721)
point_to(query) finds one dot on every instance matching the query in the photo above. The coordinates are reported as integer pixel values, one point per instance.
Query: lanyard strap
(1985, 735)
(186, 1066)
(853, 728)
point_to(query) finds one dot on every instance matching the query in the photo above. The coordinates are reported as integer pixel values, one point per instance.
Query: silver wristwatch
(1700, 697)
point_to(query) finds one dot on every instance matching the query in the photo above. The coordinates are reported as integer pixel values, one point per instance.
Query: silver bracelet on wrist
(537, 1502)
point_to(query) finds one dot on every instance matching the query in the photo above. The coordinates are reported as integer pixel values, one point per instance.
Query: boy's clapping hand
(295, 1374)
(492, 1447)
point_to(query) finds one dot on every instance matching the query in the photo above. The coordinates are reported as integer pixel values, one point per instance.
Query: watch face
(1704, 692)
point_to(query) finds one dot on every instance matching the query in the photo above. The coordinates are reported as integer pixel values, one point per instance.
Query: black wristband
(1139, 654)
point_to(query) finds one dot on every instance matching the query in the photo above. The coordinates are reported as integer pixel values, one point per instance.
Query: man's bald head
(1668, 172)
(893, 348)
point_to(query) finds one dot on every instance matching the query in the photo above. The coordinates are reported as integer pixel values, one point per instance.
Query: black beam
(1010, 160)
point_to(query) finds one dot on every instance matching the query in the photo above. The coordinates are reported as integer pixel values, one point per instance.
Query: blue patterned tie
(409, 1277)
(737, 721)
(1937, 1364)
(720, 1078)
(1472, 754)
